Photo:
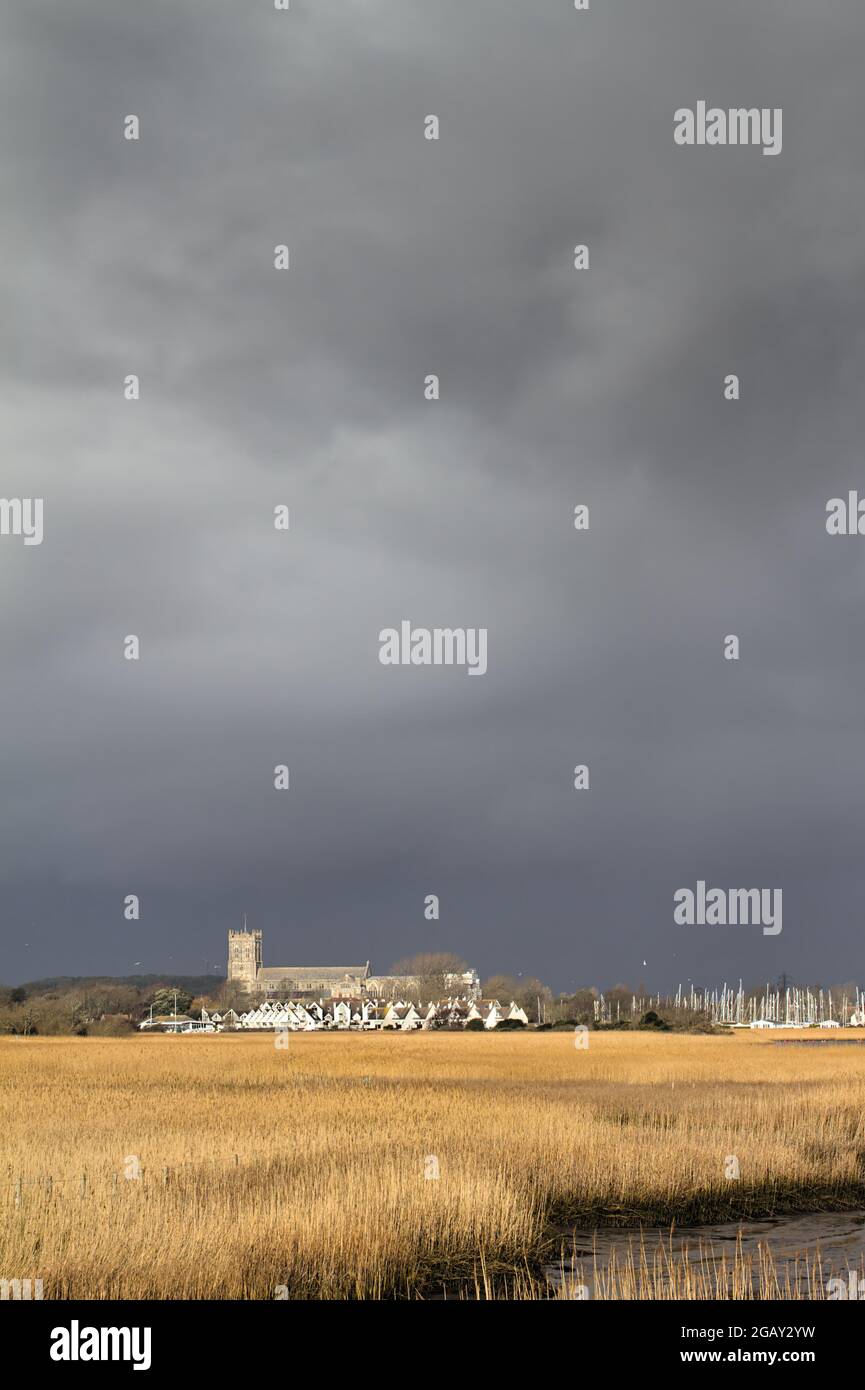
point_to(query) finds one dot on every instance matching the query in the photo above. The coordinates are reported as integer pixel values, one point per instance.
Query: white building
(343, 1013)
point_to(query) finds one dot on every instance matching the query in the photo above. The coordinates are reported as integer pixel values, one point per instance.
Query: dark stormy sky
(306, 388)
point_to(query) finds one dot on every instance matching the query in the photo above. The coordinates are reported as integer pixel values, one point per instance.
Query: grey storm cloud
(306, 388)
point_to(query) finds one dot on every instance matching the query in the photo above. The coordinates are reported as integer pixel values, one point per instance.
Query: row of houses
(855, 1022)
(339, 1013)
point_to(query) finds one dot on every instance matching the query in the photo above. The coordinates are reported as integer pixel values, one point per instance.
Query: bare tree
(525, 990)
(430, 972)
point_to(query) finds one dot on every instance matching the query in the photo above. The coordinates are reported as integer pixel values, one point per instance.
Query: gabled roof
(301, 974)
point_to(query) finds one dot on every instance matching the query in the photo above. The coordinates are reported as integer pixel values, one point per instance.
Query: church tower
(244, 957)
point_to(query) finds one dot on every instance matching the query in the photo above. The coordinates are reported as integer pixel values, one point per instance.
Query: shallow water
(795, 1244)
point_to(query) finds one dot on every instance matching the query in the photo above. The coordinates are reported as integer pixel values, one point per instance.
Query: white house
(344, 1012)
(344, 1015)
(373, 1015)
(402, 1016)
(489, 1011)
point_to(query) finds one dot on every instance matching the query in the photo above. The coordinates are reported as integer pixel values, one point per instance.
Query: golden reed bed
(305, 1169)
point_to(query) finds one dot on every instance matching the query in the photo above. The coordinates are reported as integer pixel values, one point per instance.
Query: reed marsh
(222, 1166)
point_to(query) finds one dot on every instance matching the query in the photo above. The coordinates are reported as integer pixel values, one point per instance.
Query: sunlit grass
(304, 1168)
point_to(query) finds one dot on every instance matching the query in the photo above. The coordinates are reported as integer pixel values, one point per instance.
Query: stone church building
(246, 970)
(333, 981)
